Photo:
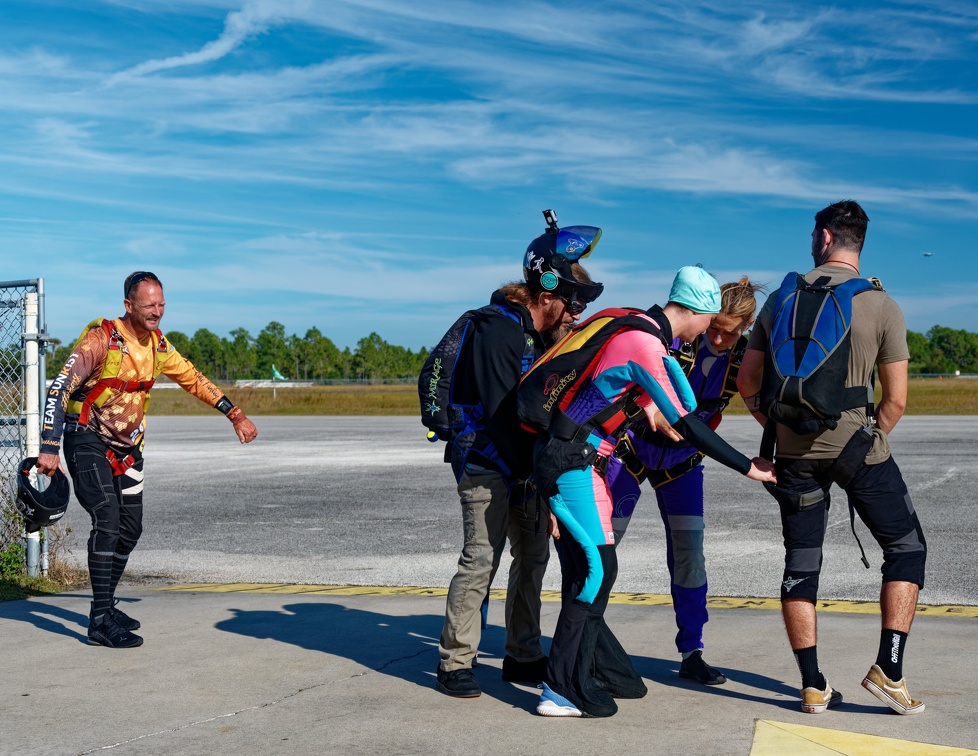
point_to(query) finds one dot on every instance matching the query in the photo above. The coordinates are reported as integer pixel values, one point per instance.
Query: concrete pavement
(294, 670)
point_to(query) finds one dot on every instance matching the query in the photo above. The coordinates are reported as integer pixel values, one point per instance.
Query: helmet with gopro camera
(548, 259)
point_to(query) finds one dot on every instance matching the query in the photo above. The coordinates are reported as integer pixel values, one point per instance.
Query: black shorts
(878, 495)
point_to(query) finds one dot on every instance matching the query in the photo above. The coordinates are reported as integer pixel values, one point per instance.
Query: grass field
(356, 399)
(927, 396)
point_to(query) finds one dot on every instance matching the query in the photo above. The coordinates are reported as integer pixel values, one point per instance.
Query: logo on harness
(554, 393)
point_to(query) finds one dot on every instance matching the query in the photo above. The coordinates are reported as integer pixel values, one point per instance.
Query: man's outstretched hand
(243, 427)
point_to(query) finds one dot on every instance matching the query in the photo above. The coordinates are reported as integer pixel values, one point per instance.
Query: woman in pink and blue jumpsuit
(576, 683)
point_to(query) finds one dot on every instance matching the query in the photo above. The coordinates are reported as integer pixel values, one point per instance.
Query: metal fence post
(32, 412)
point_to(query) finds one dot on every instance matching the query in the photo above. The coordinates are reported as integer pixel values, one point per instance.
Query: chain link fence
(20, 385)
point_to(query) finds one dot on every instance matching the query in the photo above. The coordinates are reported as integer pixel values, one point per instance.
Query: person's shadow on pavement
(783, 695)
(403, 647)
(52, 618)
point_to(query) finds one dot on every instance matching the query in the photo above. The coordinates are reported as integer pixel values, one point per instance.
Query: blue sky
(380, 166)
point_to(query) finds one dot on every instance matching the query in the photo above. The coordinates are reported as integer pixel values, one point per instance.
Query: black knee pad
(804, 515)
(905, 559)
(799, 585)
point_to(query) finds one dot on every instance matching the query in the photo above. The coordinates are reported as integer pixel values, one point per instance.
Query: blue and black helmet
(548, 258)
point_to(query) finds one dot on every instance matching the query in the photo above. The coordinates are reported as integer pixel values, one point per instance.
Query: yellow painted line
(779, 738)
(641, 599)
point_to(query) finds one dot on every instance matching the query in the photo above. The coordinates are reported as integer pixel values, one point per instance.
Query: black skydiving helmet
(548, 258)
(41, 508)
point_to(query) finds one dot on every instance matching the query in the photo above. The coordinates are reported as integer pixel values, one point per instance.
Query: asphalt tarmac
(368, 501)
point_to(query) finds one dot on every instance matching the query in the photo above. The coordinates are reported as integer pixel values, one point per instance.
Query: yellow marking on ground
(779, 738)
(642, 599)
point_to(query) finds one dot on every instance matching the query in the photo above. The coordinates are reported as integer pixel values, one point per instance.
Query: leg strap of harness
(119, 464)
(625, 452)
(661, 477)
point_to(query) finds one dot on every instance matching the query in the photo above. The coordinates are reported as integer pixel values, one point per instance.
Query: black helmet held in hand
(41, 508)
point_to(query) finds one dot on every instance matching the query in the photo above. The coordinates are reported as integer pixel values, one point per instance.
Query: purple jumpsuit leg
(681, 507)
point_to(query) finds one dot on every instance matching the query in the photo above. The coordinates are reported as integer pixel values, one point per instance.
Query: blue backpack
(444, 411)
(807, 360)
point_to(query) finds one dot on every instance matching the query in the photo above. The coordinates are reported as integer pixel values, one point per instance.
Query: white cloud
(253, 19)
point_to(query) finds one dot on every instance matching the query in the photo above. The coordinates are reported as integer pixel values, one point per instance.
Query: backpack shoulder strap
(162, 352)
(734, 358)
(857, 396)
(529, 345)
(855, 286)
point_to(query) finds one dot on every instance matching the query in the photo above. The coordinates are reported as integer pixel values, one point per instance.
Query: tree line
(943, 350)
(314, 357)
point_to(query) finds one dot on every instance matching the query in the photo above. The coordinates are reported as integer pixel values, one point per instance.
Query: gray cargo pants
(487, 520)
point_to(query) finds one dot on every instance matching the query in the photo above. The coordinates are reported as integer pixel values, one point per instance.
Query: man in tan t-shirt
(807, 465)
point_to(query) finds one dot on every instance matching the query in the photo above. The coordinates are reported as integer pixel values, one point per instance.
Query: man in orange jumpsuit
(97, 402)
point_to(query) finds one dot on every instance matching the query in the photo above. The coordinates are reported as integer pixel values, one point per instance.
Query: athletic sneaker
(524, 672)
(459, 683)
(893, 694)
(694, 668)
(108, 633)
(555, 705)
(815, 701)
(122, 619)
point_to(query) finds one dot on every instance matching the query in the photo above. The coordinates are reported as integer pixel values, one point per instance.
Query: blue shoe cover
(555, 705)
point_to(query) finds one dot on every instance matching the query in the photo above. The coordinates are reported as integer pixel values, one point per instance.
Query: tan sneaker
(815, 701)
(893, 694)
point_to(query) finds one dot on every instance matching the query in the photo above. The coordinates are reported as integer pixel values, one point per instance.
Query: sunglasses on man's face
(574, 306)
(137, 278)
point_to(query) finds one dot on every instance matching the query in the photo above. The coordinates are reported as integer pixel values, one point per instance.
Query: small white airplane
(928, 254)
